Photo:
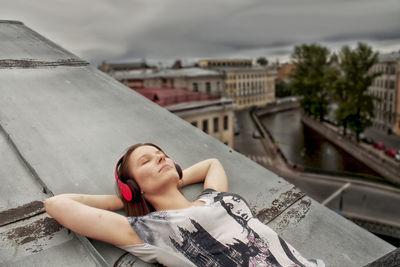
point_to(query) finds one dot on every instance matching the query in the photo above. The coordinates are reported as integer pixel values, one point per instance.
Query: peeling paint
(30, 63)
(21, 212)
(279, 205)
(295, 214)
(42, 228)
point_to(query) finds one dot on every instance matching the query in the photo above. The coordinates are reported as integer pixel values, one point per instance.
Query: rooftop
(389, 57)
(165, 73)
(171, 96)
(62, 128)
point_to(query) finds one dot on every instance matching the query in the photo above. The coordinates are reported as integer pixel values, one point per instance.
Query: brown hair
(140, 207)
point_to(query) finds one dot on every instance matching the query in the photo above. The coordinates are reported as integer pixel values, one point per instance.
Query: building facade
(246, 84)
(250, 86)
(225, 63)
(386, 89)
(396, 126)
(194, 79)
(214, 117)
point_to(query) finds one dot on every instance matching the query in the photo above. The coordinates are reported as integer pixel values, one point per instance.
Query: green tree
(355, 105)
(282, 89)
(262, 61)
(313, 78)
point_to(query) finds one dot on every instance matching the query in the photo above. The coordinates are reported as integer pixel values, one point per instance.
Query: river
(302, 145)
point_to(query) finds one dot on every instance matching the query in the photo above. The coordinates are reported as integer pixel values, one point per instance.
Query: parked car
(379, 145)
(391, 152)
(397, 157)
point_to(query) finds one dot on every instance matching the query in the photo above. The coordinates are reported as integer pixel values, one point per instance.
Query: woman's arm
(209, 171)
(105, 202)
(87, 215)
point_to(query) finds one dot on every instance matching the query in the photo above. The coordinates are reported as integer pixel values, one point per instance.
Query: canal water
(302, 145)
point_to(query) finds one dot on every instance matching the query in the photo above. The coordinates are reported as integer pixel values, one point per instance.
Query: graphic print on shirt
(204, 250)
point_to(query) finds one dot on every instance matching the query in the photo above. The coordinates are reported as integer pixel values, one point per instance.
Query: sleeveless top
(223, 232)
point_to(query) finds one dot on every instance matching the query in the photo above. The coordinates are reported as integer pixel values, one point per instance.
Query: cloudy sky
(164, 30)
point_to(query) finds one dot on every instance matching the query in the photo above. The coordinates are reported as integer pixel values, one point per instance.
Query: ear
(179, 170)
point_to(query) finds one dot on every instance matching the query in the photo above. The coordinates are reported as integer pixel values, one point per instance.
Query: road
(245, 143)
(390, 141)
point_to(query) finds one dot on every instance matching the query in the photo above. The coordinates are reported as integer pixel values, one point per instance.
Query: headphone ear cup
(125, 191)
(134, 188)
(179, 170)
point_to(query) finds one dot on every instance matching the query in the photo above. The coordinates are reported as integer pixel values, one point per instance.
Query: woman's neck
(170, 200)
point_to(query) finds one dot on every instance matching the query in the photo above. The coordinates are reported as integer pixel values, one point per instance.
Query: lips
(163, 167)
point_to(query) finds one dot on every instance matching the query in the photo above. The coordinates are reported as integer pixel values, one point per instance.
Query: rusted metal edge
(11, 22)
(22, 212)
(32, 64)
(279, 205)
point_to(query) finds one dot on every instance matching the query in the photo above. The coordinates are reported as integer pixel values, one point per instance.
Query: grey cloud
(167, 29)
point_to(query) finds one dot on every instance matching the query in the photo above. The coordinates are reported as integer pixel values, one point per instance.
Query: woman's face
(151, 169)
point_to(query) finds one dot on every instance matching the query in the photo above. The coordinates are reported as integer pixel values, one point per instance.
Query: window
(195, 87)
(208, 87)
(194, 123)
(205, 126)
(226, 123)
(215, 124)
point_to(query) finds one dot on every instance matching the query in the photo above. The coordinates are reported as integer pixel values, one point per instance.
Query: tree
(355, 105)
(282, 89)
(313, 78)
(262, 61)
(177, 64)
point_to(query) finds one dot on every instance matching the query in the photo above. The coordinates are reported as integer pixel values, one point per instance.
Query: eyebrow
(147, 154)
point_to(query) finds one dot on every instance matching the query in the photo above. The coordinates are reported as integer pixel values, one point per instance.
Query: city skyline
(163, 31)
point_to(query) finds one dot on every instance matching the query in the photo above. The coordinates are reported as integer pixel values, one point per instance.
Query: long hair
(140, 207)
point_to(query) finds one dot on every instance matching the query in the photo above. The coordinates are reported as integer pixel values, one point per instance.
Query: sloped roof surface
(64, 125)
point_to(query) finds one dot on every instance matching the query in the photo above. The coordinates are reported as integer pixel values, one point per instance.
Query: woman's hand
(209, 171)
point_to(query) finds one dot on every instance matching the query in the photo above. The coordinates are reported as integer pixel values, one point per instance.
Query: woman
(216, 229)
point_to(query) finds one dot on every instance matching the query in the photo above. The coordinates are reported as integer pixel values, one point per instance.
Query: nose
(160, 158)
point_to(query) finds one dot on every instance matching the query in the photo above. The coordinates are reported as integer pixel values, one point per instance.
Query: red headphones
(129, 189)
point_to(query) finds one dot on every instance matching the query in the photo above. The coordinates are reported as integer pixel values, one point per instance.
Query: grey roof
(201, 107)
(243, 69)
(63, 126)
(389, 57)
(165, 73)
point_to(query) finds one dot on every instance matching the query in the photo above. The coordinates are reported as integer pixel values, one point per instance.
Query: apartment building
(115, 67)
(194, 79)
(246, 84)
(396, 126)
(214, 117)
(386, 89)
(211, 114)
(225, 63)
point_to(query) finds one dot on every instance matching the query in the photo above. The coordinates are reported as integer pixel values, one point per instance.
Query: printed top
(223, 232)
